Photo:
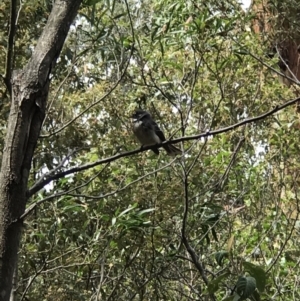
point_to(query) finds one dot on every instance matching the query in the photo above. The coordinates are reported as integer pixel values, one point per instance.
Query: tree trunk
(30, 88)
(283, 38)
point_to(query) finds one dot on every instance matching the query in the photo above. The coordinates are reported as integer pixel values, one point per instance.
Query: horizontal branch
(47, 179)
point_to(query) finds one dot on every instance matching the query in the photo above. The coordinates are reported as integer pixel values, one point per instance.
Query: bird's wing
(158, 131)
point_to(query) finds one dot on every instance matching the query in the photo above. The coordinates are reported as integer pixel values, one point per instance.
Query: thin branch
(295, 81)
(273, 69)
(58, 194)
(287, 235)
(110, 91)
(89, 107)
(59, 166)
(127, 264)
(99, 197)
(35, 188)
(286, 65)
(55, 97)
(190, 250)
(31, 280)
(10, 45)
(101, 280)
(232, 160)
(19, 12)
(119, 189)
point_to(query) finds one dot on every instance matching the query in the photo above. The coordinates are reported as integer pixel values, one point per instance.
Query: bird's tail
(172, 150)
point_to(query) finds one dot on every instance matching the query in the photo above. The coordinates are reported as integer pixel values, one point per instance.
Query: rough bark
(30, 87)
(283, 38)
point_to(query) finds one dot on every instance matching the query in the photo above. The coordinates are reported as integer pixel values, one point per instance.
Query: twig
(103, 97)
(233, 157)
(33, 206)
(60, 165)
(58, 194)
(184, 239)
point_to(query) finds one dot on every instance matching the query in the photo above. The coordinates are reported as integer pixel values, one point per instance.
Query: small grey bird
(148, 132)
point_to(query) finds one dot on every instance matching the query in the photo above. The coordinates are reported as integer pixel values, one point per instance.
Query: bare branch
(47, 179)
(232, 160)
(109, 92)
(99, 197)
(19, 11)
(119, 189)
(295, 81)
(198, 264)
(90, 106)
(58, 194)
(60, 164)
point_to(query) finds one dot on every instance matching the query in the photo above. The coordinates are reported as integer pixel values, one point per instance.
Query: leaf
(214, 233)
(146, 211)
(236, 297)
(245, 287)
(292, 255)
(258, 273)
(126, 210)
(242, 52)
(256, 296)
(214, 284)
(154, 31)
(219, 256)
(119, 16)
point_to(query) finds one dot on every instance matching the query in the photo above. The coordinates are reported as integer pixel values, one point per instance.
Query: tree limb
(35, 188)
(97, 197)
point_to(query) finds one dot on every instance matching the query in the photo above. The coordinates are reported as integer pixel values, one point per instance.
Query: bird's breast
(145, 135)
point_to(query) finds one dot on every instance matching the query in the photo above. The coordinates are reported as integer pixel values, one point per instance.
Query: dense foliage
(219, 221)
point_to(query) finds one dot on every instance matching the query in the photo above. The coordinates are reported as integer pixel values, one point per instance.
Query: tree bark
(30, 87)
(284, 39)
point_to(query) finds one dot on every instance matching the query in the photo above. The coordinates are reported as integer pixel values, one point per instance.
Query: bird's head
(139, 114)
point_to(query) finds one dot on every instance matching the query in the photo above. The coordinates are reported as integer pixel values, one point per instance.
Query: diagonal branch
(107, 93)
(98, 197)
(224, 177)
(194, 257)
(35, 188)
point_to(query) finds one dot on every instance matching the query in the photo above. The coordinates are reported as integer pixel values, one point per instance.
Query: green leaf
(214, 233)
(258, 273)
(245, 287)
(241, 52)
(292, 255)
(219, 256)
(126, 211)
(214, 284)
(119, 16)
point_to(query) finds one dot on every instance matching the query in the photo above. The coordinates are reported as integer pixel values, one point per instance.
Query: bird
(148, 132)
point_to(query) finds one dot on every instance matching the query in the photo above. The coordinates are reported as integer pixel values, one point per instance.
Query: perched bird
(148, 133)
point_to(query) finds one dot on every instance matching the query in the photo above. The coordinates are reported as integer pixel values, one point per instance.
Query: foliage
(115, 231)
